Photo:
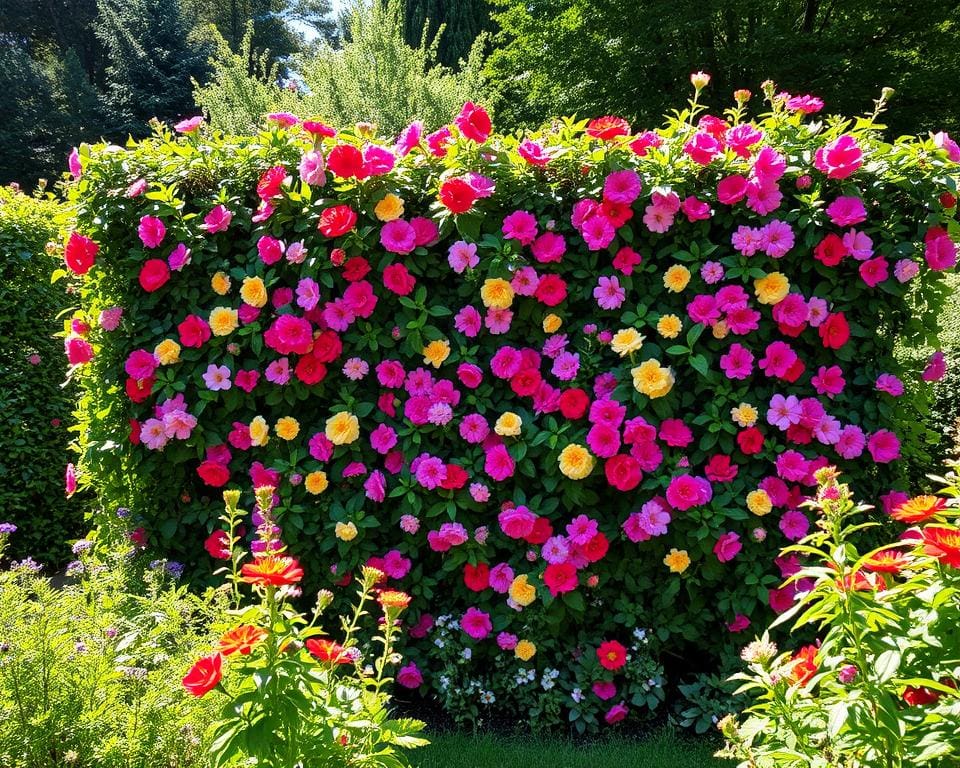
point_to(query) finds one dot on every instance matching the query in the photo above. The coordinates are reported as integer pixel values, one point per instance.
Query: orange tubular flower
(804, 665)
(887, 561)
(241, 640)
(272, 570)
(328, 650)
(942, 543)
(918, 509)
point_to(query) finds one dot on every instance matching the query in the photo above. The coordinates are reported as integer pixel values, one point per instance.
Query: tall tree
(271, 32)
(317, 15)
(462, 20)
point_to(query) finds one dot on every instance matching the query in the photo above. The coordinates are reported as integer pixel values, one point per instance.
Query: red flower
(476, 577)
(887, 561)
(328, 650)
(214, 474)
(154, 274)
(457, 195)
(612, 655)
(574, 403)
(241, 640)
(526, 382)
(194, 331)
(456, 478)
(204, 675)
(397, 278)
(310, 371)
(327, 347)
(597, 548)
(720, 470)
(272, 570)
(356, 269)
(80, 253)
(830, 251)
(216, 545)
(134, 432)
(346, 161)
(750, 441)
(915, 697)
(269, 185)
(473, 122)
(608, 127)
(623, 472)
(942, 543)
(337, 220)
(138, 390)
(560, 578)
(551, 290)
(542, 530)
(804, 665)
(918, 509)
(834, 331)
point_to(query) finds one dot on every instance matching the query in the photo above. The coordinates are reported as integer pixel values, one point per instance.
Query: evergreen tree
(316, 14)
(27, 110)
(271, 33)
(462, 21)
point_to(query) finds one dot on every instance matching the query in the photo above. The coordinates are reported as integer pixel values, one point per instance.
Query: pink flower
(794, 525)
(943, 141)
(473, 122)
(517, 522)
(940, 252)
(696, 210)
(778, 358)
(312, 168)
(784, 411)
(377, 160)
(398, 236)
(604, 690)
(533, 152)
(501, 577)
(727, 547)
(609, 293)
(217, 377)
(476, 623)
(840, 158)
(217, 220)
(737, 363)
(732, 189)
(657, 218)
(846, 211)
(851, 442)
(622, 187)
(739, 623)
(189, 125)
(776, 238)
(289, 335)
(936, 367)
(409, 138)
(687, 491)
(884, 446)
(905, 270)
(828, 381)
(70, 480)
(499, 464)
(598, 232)
(79, 351)
(151, 231)
(616, 713)
(549, 247)
(409, 676)
(874, 271)
(74, 164)
(462, 255)
(468, 321)
(702, 148)
(741, 137)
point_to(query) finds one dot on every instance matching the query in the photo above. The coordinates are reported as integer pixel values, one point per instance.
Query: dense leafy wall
(568, 389)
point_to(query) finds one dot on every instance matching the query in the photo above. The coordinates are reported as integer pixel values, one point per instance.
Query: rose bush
(559, 387)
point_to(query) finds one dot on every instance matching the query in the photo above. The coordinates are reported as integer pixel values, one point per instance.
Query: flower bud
(699, 80)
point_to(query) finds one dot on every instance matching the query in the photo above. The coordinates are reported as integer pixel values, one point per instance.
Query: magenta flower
(609, 293)
(398, 236)
(217, 220)
(727, 547)
(521, 226)
(151, 231)
(476, 623)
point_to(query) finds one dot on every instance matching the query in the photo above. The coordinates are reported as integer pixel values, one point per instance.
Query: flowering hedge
(567, 389)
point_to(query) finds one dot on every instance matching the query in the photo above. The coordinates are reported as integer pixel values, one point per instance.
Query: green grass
(663, 749)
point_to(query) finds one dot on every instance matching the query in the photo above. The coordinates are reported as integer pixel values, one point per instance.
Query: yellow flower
(669, 326)
(625, 341)
(522, 592)
(342, 428)
(576, 462)
(389, 208)
(676, 278)
(345, 531)
(525, 650)
(744, 414)
(259, 431)
(496, 293)
(771, 289)
(223, 321)
(167, 352)
(220, 283)
(758, 502)
(253, 291)
(551, 323)
(316, 482)
(720, 329)
(508, 425)
(287, 428)
(652, 379)
(436, 352)
(677, 560)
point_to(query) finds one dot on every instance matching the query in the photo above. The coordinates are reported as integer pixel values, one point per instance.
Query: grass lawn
(662, 749)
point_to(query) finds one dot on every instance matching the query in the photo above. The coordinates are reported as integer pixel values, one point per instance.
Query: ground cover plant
(567, 389)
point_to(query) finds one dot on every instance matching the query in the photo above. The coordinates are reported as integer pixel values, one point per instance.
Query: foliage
(295, 697)
(632, 58)
(374, 76)
(89, 671)
(270, 37)
(463, 21)
(418, 350)
(880, 687)
(37, 410)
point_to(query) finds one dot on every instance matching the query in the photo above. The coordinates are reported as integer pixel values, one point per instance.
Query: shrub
(89, 671)
(879, 687)
(559, 387)
(37, 411)
(295, 696)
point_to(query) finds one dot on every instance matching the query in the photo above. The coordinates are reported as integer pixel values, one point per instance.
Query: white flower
(577, 695)
(487, 697)
(467, 653)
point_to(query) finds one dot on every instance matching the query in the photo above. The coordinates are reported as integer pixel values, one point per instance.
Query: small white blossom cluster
(549, 676)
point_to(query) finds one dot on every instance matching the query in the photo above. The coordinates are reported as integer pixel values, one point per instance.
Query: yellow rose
(167, 352)
(223, 321)
(677, 560)
(496, 293)
(744, 414)
(259, 431)
(771, 289)
(525, 650)
(342, 428)
(551, 323)
(287, 428)
(720, 330)
(522, 592)
(576, 462)
(676, 278)
(316, 482)
(758, 502)
(625, 341)
(345, 531)
(436, 352)
(253, 292)
(669, 326)
(389, 208)
(220, 283)
(652, 379)
(508, 425)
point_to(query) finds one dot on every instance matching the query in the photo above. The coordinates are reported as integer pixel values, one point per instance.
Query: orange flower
(241, 640)
(888, 561)
(272, 570)
(328, 650)
(391, 598)
(942, 543)
(918, 509)
(861, 582)
(803, 665)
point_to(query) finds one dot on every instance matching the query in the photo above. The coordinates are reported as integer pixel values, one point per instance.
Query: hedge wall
(567, 388)
(37, 411)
